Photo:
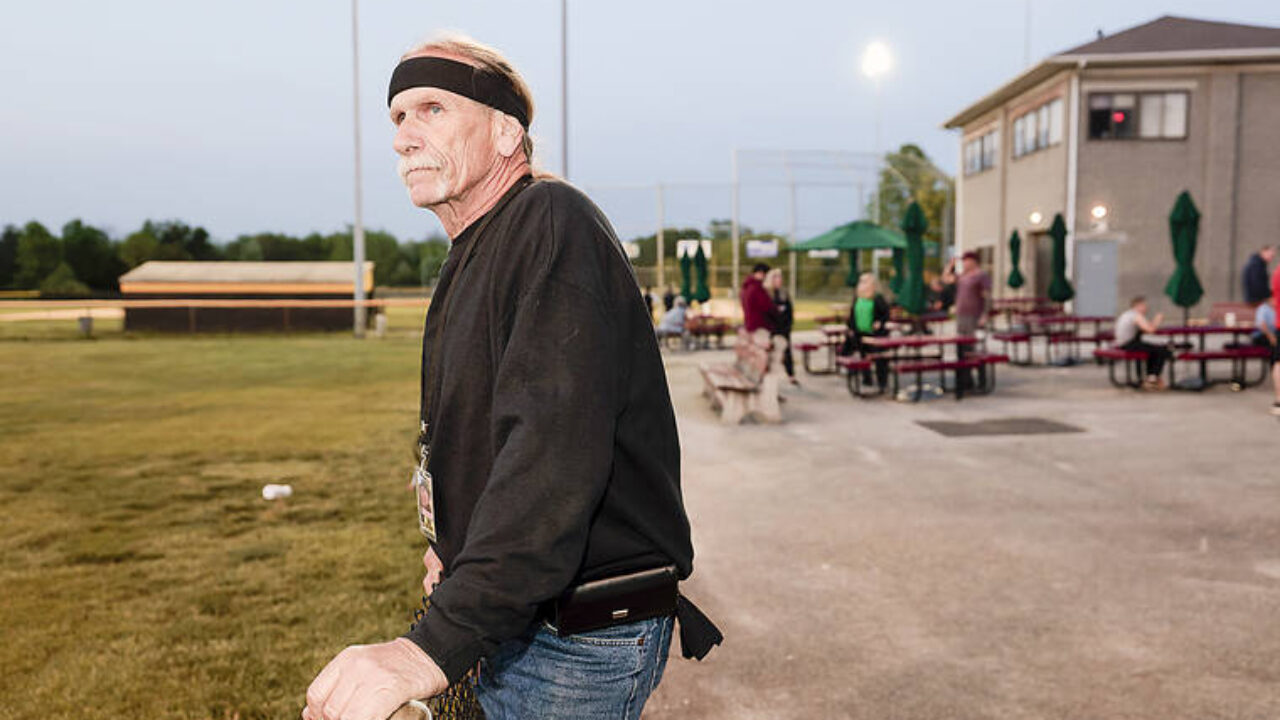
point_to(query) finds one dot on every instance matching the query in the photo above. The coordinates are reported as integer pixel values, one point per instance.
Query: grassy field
(143, 574)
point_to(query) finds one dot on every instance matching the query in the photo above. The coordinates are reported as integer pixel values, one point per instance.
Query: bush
(62, 282)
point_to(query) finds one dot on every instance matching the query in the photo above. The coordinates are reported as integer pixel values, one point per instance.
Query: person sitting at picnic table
(1130, 326)
(786, 319)
(1265, 335)
(672, 322)
(867, 318)
(942, 289)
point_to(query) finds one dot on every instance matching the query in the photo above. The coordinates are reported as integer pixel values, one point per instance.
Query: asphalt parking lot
(864, 566)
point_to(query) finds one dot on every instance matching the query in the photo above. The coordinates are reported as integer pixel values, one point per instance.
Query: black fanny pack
(615, 601)
(631, 598)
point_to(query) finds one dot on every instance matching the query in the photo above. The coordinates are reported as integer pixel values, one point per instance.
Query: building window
(1147, 116)
(981, 152)
(1038, 129)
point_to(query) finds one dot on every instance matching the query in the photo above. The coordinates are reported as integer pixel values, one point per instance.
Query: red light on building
(1117, 117)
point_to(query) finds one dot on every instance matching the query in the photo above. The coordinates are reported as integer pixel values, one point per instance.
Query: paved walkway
(863, 566)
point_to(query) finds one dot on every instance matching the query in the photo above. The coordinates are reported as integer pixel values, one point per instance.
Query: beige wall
(1229, 161)
(980, 195)
(1232, 134)
(998, 200)
(1258, 197)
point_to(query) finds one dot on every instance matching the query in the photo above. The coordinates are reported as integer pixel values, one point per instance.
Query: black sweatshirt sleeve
(554, 413)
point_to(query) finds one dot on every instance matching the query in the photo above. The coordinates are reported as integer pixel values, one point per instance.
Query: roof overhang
(1057, 63)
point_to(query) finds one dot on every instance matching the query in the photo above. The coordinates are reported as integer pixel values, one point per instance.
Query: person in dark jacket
(1257, 278)
(758, 311)
(868, 317)
(786, 319)
(668, 299)
(549, 456)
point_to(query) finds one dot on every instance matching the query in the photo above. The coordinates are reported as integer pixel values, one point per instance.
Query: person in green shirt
(867, 317)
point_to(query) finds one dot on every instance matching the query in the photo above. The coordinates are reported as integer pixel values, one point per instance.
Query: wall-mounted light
(1099, 211)
(1036, 218)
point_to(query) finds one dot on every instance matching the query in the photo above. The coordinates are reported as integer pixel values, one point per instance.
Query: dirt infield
(863, 566)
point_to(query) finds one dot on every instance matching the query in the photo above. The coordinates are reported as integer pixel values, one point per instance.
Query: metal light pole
(357, 234)
(661, 240)
(733, 228)
(876, 62)
(564, 88)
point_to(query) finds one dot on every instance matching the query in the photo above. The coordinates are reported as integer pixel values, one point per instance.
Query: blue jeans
(600, 675)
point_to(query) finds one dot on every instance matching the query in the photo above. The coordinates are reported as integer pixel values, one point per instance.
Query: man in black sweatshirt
(1257, 277)
(550, 480)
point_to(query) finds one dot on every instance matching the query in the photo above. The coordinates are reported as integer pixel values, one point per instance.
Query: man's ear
(509, 134)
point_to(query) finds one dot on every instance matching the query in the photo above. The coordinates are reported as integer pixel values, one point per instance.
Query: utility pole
(734, 230)
(564, 88)
(1026, 36)
(661, 240)
(791, 229)
(357, 230)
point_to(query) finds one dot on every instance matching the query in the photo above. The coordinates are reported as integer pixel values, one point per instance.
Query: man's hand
(368, 682)
(435, 569)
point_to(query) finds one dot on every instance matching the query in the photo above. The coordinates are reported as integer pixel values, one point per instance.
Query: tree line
(85, 261)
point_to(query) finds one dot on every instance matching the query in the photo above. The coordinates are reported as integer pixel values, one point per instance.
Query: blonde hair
(769, 276)
(869, 281)
(489, 60)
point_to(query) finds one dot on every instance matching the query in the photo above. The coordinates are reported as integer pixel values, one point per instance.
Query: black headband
(487, 88)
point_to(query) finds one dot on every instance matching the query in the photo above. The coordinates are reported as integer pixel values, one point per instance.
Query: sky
(237, 114)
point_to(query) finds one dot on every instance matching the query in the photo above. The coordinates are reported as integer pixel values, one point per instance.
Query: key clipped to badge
(426, 506)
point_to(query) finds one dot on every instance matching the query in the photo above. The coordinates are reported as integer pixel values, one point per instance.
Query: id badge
(426, 505)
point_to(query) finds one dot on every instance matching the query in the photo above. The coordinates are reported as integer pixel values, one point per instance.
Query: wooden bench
(745, 387)
(1239, 356)
(1243, 313)
(1134, 363)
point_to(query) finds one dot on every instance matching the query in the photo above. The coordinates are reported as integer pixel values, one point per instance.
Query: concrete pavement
(863, 566)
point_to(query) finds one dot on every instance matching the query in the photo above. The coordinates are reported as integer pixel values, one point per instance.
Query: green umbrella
(899, 272)
(686, 266)
(857, 235)
(1015, 254)
(852, 278)
(1184, 224)
(701, 293)
(1059, 288)
(913, 226)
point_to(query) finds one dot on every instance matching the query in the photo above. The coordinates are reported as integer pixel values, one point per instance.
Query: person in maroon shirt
(758, 310)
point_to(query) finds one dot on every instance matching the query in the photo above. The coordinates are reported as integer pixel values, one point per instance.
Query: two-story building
(1108, 134)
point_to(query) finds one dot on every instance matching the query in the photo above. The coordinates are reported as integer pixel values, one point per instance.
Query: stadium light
(877, 60)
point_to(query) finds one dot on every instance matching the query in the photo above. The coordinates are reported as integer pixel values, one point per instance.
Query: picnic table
(1182, 334)
(702, 328)
(832, 338)
(907, 355)
(1057, 330)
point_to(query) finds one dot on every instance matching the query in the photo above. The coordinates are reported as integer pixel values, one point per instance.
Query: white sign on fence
(690, 248)
(633, 249)
(762, 248)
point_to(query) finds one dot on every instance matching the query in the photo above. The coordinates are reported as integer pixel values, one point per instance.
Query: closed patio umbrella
(686, 280)
(1015, 255)
(899, 272)
(1060, 289)
(914, 224)
(701, 292)
(1184, 287)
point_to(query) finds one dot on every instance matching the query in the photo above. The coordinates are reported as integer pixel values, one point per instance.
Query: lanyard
(431, 380)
